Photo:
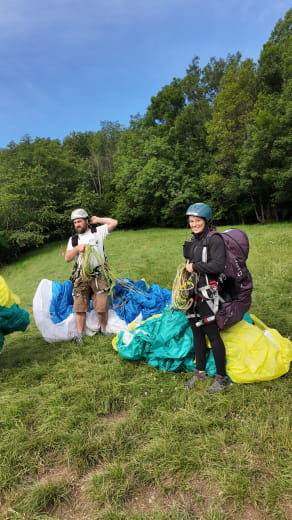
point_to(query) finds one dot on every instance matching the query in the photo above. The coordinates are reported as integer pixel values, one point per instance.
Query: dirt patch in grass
(117, 417)
(199, 497)
(252, 513)
(287, 508)
(80, 506)
(53, 473)
(45, 475)
(147, 501)
(77, 507)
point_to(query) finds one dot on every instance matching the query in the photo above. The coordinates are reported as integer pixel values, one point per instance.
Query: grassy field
(87, 435)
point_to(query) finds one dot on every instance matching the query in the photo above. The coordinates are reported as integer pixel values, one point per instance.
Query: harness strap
(204, 252)
(204, 321)
(101, 291)
(209, 293)
(194, 315)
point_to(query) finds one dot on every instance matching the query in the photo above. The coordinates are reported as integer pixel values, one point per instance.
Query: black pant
(200, 346)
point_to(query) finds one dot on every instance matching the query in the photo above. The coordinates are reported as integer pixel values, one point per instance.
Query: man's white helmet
(79, 213)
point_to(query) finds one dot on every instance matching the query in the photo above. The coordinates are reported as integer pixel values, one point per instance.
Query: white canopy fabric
(66, 329)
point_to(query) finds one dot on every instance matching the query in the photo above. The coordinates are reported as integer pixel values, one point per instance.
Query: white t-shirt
(96, 239)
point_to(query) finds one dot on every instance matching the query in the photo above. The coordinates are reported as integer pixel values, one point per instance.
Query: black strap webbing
(75, 236)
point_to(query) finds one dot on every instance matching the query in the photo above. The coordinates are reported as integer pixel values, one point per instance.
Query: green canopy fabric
(164, 341)
(254, 351)
(12, 319)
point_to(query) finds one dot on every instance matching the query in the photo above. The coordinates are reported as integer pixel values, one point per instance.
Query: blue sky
(67, 65)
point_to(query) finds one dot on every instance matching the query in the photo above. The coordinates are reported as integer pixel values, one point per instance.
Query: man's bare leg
(103, 317)
(80, 322)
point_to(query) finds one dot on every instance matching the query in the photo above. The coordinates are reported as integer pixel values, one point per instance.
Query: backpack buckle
(213, 285)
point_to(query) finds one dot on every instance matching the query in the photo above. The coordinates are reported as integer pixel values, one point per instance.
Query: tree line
(221, 134)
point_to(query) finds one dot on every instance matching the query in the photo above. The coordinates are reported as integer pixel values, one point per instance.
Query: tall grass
(87, 435)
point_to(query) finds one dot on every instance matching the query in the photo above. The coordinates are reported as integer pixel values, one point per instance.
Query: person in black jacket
(205, 273)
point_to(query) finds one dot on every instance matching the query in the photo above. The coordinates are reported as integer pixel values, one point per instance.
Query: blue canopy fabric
(129, 300)
(62, 301)
(132, 298)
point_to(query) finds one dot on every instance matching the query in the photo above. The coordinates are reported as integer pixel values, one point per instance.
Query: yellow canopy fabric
(256, 352)
(7, 297)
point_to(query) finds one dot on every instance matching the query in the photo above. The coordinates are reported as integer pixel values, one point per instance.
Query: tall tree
(227, 132)
(166, 105)
(28, 208)
(93, 154)
(275, 61)
(266, 159)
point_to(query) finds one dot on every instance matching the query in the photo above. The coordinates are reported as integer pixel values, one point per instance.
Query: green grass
(87, 435)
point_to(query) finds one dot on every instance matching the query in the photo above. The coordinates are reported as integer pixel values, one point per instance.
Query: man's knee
(100, 303)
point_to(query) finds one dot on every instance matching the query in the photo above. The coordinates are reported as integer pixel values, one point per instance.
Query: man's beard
(81, 229)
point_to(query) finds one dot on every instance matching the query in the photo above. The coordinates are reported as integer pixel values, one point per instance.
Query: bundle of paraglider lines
(91, 258)
(183, 283)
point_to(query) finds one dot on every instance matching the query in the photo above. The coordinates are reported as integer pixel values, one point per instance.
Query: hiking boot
(197, 376)
(219, 383)
(78, 340)
(104, 333)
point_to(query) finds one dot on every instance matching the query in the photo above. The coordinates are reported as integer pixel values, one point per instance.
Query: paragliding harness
(230, 297)
(76, 271)
(210, 294)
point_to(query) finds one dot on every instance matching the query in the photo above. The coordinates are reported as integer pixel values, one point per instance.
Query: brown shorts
(83, 292)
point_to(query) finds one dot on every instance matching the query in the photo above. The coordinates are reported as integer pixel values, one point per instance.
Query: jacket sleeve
(216, 257)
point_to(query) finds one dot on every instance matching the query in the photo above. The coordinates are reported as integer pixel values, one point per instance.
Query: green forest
(221, 134)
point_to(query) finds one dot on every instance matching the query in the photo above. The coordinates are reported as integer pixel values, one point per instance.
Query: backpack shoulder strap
(74, 239)
(205, 245)
(75, 236)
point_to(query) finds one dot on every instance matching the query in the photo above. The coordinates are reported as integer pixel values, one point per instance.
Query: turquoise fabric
(12, 319)
(164, 341)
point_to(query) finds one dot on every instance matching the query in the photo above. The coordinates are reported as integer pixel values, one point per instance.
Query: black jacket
(216, 255)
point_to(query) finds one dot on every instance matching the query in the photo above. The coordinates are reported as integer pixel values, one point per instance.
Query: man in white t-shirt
(96, 288)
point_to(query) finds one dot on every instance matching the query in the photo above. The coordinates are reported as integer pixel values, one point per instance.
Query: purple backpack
(235, 272)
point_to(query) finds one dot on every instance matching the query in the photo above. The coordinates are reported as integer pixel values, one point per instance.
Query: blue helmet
(200, 210)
